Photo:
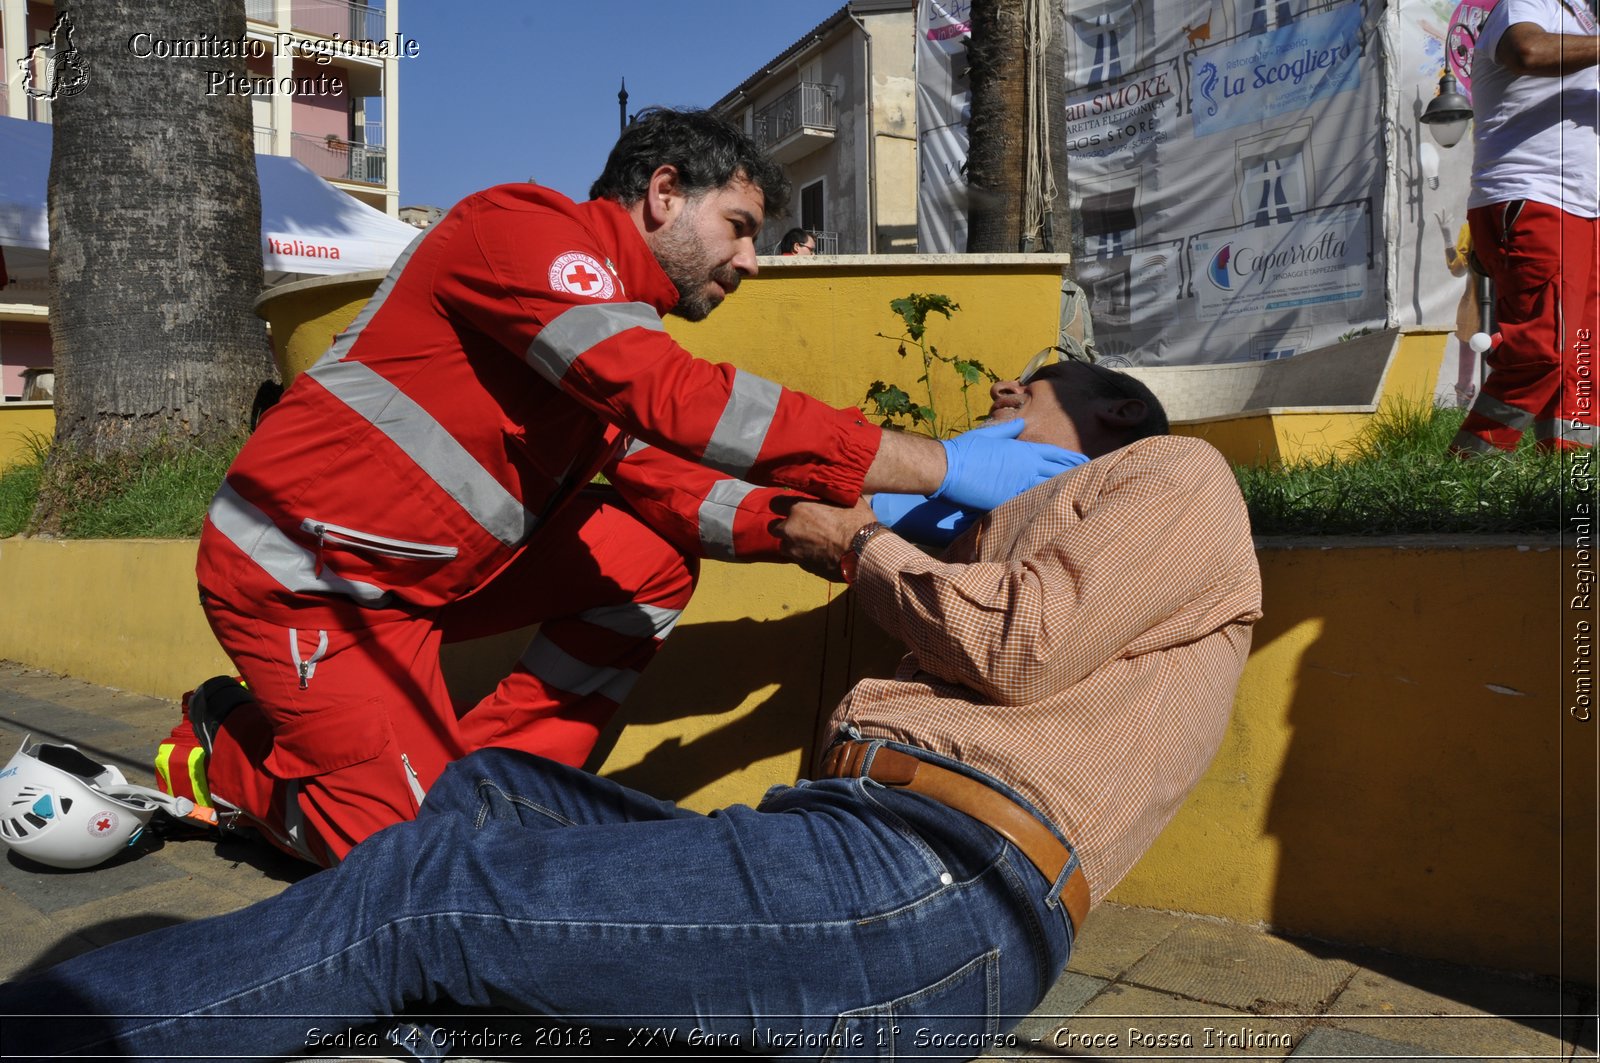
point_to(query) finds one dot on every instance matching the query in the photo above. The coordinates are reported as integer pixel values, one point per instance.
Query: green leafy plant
(892, 404)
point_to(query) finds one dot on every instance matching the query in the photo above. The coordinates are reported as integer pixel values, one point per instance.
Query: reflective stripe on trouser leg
(569, 681)
(1564, 435)
(605, 590)
(1491, 424)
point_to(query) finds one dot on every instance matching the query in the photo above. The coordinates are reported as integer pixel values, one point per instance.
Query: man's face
(1056, 403)
(808, 246)
(709, 245)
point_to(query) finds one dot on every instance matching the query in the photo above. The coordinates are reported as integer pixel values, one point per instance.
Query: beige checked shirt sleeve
(1082, 644)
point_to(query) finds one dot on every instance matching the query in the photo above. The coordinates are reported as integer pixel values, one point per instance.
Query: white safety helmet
(60, 808)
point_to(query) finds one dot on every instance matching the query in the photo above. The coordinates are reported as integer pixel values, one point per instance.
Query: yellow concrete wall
(1317, 435)
(1393, 775)
(814, 327)
(21, 424)
(119, 613)
(306, 315)
(1393, 772)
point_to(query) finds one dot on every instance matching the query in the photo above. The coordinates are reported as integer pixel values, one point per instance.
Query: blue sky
(505, 90)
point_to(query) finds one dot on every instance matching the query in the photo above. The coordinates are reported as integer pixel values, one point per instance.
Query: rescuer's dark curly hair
(707, 152)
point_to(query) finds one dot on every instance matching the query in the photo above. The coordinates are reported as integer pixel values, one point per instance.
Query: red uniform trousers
(350, 727)
(1545, 264)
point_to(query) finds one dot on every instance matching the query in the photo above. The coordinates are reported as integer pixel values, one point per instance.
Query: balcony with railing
(341, 160)
(264, 138)
(796, 123)
(349, 19)
(261, 11)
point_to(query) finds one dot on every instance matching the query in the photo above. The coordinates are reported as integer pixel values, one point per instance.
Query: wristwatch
(852, 553)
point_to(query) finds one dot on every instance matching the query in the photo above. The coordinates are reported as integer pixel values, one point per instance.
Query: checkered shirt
(1081, 644)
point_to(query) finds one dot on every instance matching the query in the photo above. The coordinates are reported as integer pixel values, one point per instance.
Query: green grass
(1401, 480)
(161, 494)
(19, 490)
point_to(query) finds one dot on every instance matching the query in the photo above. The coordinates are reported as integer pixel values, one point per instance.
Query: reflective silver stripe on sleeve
(346, 339)
(635, 619)
(426, 442)
(736, 443)
(717, 512)
(292, 565)
(549, 663)
(580, 328)
(1503, 412)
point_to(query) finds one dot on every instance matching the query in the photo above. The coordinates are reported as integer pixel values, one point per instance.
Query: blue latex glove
(929, 521)
(987, 466)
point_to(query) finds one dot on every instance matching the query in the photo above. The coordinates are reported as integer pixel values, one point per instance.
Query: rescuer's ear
(663, 197)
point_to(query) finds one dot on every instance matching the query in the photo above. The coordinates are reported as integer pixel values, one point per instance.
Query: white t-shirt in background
(1535, 137)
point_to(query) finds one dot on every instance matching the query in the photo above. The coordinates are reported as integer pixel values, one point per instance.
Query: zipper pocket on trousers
(306, 667)
(366, 542)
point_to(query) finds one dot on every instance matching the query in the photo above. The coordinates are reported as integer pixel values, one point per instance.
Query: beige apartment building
(349, 136)
(837, 108)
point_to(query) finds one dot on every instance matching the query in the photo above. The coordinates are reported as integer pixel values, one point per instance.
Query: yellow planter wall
(1393, 772)
(306, 315)
(815, 327)
(1289, 434)
(20, 425)
(122, 613)
(1393, 775)
(811, 325)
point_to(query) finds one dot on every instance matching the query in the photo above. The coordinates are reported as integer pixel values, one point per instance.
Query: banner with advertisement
(944, 101)
(1248, 177)
(1242, 134)
(1319, 258)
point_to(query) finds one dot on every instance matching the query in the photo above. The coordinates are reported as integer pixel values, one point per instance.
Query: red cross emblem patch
(579, 274)
(102, 823)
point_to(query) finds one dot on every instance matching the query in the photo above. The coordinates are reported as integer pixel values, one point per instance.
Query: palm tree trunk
(996, 131)
(155, 240)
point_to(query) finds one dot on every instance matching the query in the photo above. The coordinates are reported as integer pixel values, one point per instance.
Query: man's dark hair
(1103, 382)
(708, 152)
(791, 240)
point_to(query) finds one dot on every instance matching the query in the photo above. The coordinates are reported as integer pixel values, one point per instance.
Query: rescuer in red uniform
(424, 481)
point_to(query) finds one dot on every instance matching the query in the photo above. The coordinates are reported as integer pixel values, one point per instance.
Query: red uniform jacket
(499, 366)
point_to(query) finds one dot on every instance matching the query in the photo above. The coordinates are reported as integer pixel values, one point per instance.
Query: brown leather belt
(983, 803)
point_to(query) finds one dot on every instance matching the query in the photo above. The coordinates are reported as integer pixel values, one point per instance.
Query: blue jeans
(839, 919)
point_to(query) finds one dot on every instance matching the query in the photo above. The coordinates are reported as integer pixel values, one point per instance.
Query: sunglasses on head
(1051, 355)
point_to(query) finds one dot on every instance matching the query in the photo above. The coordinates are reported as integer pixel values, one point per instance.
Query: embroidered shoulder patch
(579, 274)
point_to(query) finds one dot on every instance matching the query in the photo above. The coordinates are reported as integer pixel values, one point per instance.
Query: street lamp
(1448, 113)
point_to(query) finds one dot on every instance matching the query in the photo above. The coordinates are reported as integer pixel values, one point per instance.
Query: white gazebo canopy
(307, 225)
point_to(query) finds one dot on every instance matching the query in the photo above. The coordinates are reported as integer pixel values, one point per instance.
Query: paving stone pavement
(1142, 984)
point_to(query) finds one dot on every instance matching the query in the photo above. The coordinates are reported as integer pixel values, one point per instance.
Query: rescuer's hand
(988, 465)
